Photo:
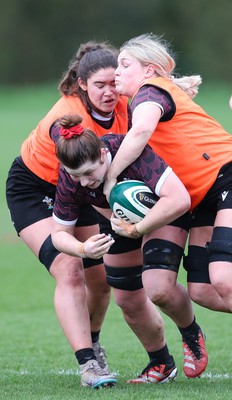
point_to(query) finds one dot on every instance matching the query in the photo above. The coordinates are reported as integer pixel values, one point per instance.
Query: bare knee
(206, 295)
(68, 271)
(130, 301)
(161, 293)
(160, 297)
(197, 292)
(224, 292)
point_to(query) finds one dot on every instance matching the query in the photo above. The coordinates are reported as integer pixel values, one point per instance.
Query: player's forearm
(130, 149)
(68, 244)
(160, 215)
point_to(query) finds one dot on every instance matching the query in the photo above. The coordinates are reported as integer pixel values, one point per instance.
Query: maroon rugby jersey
(158, 96)
(149, 168)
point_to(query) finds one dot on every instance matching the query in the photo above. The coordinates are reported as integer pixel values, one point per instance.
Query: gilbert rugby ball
(131, 200)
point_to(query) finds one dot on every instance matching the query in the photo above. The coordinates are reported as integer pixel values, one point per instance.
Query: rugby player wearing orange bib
(87, 88)
(200, 152)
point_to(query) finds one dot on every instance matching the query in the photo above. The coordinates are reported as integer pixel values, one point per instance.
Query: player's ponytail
(188, 84)
(76, 144)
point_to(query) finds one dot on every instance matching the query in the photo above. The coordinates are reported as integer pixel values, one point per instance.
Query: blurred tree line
(38, 38)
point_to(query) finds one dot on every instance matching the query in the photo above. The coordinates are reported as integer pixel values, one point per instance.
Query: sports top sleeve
(69, 198)
(158, 96)
(148, 168)
(151, 169)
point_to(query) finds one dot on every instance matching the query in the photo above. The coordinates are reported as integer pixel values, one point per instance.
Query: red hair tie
(76, 130)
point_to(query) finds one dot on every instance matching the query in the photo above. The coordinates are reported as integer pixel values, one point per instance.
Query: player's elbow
(184, 203)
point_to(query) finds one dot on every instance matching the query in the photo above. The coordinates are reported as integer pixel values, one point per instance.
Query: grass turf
(36, 360)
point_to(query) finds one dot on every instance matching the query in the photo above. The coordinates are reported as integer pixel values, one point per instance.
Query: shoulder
(112, 141)
(157, 95)
(152, 159)
(150, 165)
(67, 188)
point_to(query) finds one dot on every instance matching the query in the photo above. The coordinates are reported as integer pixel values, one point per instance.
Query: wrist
(81, 251)
(134, 231)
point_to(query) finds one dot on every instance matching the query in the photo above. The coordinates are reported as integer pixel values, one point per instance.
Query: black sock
(95, 336)
(161, 356)
(192, 329)
(84, 355)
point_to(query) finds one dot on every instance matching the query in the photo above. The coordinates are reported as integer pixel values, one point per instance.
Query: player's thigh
(224, 218)
(35, 234)
(125, 259)
(201, 226)
(162, 253)
(199, 236)
(168, 233)
(82, 233)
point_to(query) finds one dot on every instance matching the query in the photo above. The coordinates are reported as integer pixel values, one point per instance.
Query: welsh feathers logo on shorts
(49, 202)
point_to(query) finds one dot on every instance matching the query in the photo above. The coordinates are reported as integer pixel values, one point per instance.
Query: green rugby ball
(131, 200)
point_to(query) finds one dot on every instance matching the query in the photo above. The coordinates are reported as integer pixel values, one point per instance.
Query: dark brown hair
(80, 148)
(90, 58)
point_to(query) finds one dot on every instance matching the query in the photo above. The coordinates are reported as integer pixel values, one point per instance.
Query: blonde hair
(151, 49)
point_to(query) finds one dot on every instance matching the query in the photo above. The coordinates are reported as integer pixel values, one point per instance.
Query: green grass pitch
(36, 361)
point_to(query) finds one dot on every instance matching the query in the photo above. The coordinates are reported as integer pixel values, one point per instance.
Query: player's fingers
(116, 221)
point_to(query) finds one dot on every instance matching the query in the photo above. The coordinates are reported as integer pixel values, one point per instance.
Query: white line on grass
(207, 375)
(216, 376)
